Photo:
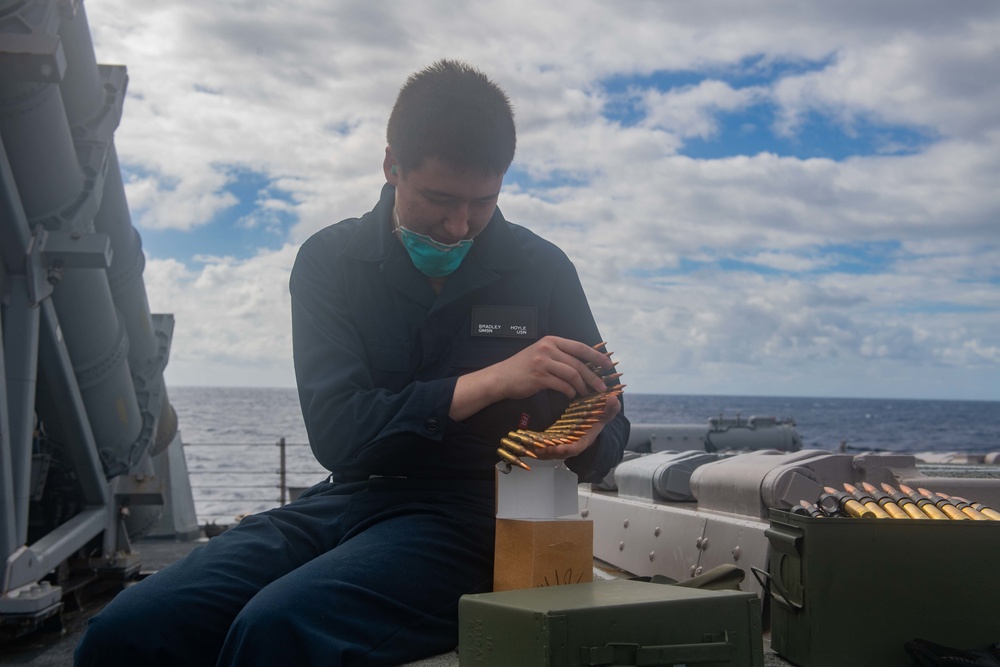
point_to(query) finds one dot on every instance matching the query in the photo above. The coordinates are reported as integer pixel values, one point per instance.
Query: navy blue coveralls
(367, 567)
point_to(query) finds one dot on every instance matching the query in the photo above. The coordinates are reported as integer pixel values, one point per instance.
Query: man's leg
(388, 594)
(181, 615)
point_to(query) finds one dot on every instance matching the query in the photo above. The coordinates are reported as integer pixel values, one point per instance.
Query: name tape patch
(505, 321)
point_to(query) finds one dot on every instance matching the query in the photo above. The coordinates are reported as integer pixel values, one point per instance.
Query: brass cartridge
(807, 508)
(904, 502)
(867, 501)
(843, 501)
(925, 505)
(885, 502)
(966, 507)
(510, 458)
(948, 508)
(988, 511)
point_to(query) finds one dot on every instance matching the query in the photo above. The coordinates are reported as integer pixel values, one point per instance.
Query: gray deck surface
(50, 649)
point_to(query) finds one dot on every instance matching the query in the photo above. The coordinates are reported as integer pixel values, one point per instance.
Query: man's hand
(550, 363)
(611, 408)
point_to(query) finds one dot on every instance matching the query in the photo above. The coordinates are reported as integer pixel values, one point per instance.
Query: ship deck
(54, 647)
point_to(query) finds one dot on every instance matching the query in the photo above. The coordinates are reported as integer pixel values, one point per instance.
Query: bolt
(704, 544)
(621, 546)
(693, 570)
(656, 532)
(652, 555)
(697, 543)
(54, 273)
(585, 513)
(697, 571)
(736, 553)
(625, 524)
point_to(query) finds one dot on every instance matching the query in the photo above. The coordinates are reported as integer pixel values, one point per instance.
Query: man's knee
(139, 626)
(117, 635)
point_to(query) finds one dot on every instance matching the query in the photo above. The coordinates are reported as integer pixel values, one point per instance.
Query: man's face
(441, 202)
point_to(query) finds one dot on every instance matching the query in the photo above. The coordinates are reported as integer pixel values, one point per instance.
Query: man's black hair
(453, 112)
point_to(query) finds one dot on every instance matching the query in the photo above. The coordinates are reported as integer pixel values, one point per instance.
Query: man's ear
(390, 167)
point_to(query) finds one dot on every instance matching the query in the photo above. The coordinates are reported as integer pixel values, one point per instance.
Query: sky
(779, 198)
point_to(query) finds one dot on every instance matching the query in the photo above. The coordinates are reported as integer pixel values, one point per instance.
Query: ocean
(230, 434)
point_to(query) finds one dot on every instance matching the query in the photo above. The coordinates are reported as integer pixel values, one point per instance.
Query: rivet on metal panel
(697, 543)
(656, 532)
(625, 523)
(652, 555)
(621, 546)
(693, 568)
(585, 513)
(736, 553)
(704, 543)
(697, 571)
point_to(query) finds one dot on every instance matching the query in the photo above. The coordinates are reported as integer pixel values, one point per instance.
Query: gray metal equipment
(85, 423)
(717, 435)
(681, 514)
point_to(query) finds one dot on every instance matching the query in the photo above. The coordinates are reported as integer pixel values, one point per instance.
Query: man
(424, 331)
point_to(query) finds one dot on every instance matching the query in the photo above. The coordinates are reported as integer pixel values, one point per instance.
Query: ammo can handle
(634, 654)
(782, 596)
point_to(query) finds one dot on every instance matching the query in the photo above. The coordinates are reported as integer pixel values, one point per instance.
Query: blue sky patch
(519, 177)
(855, 259)
(750, 71)
(750, 131)
(863, 258)
(941, 308)
(241, 231)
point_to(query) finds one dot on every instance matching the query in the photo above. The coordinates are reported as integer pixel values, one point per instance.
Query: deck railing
(229, 479)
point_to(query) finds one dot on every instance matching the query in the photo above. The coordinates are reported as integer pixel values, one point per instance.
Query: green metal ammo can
(853, 591)
(610, 623)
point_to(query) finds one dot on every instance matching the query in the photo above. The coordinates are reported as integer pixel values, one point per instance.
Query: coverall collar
(494, 251)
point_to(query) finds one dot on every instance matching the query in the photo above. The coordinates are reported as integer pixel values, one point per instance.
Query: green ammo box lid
(853, 591)
(614, 622)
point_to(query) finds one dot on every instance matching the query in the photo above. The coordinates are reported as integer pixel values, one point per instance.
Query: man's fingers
(556, 369)
(577, 356)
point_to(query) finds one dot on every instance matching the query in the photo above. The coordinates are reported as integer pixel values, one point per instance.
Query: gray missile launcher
(89, 449)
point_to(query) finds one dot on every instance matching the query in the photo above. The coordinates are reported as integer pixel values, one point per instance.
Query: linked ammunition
(510, 458)
(885, 502)
(843, 501)
(808, 509)
(942, 504)
(988, 511)
(966, 508)
(516, 448)
(904, 502)
(925, 505)
(582, 414)
(867, 501)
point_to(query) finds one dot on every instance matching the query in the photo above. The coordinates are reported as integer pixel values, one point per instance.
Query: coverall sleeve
(344, 412)
(571, 317)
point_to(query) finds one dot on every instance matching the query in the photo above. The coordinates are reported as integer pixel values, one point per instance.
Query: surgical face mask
(434, 259)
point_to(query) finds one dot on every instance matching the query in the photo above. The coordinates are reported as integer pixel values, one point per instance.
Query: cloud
(766, 270)
(694, 111)
(233, 321)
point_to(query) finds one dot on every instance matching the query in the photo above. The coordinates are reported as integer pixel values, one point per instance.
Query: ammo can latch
(718, 648)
